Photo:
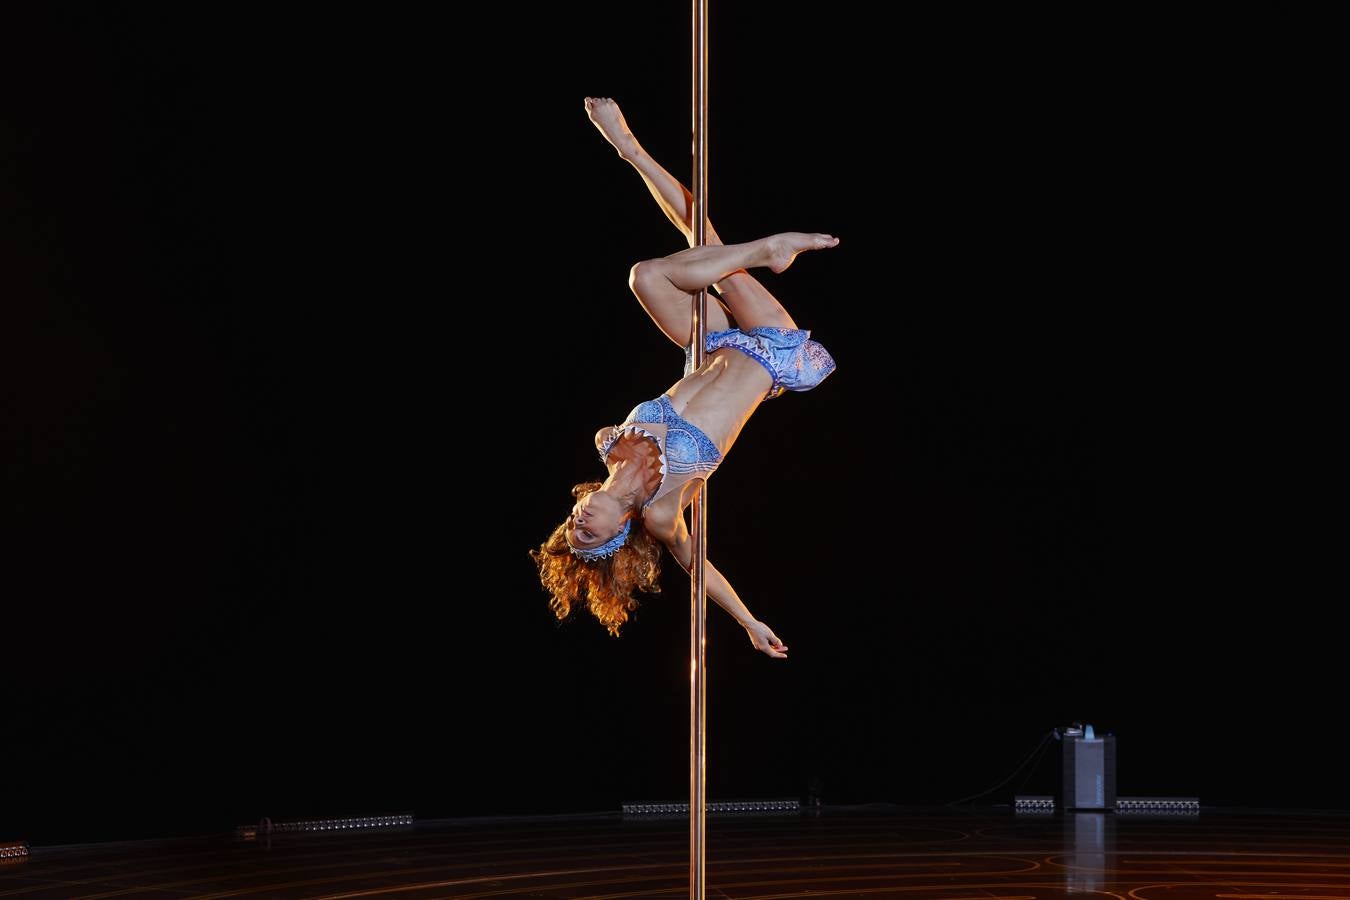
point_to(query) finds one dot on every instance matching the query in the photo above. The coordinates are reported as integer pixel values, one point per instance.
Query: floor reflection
(1089, 851)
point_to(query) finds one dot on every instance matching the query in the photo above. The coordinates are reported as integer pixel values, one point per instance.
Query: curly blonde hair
(607, 584)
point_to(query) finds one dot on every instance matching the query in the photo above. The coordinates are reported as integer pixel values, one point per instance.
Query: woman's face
(595, 519)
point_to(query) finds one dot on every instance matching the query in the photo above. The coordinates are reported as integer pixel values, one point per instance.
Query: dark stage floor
(877, 851)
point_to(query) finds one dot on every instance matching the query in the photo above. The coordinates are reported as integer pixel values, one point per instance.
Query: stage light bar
(361, 823)
(1186, 806)
(15, 850)
(726, 807)
(1033, 803)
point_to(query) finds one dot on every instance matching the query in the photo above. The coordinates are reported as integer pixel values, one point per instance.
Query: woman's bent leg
(698, 267)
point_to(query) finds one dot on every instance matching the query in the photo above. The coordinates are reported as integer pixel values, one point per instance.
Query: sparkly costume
(685, 451)
(792, 359)
(796, 362)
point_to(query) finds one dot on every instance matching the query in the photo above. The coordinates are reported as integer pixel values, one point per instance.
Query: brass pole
(698, 600)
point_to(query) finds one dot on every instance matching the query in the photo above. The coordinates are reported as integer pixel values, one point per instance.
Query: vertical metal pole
(698, 601)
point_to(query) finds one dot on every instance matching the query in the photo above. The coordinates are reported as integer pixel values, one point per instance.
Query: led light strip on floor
(719, 808)
(362, 823)
(1174, 805)
(1033, 803)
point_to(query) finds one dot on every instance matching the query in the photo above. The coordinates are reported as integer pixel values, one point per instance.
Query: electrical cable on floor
(1034, 752)
(1031, 767)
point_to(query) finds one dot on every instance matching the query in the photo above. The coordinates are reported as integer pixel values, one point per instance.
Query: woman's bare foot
(604, 114)
(783, 248)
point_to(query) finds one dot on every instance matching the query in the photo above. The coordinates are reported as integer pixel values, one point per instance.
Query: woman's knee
(648, 277)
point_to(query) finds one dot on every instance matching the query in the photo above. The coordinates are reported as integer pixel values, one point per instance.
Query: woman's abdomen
(720, 397)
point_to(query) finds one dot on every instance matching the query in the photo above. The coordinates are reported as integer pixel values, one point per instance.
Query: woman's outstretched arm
(679, 542)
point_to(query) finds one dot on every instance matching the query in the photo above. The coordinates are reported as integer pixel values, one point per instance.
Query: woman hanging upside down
(609, 545)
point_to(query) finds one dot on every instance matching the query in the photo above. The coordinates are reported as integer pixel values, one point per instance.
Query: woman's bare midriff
(720, 396)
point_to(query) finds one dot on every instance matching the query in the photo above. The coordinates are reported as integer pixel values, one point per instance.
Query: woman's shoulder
(662, 509)
(661, 513)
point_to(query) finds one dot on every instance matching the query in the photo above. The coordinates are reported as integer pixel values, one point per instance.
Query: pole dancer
(609, 545)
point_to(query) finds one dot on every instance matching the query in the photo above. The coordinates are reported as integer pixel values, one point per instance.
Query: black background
(289, 305)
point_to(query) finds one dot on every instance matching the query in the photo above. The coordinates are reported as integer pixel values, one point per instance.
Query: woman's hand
(764, 639)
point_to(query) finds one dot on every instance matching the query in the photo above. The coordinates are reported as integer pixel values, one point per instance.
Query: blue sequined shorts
(795, 362)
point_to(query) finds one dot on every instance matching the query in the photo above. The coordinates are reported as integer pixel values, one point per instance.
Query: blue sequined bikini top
(685, 451)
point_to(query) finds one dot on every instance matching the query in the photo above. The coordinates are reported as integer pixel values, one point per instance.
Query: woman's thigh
(673, 309)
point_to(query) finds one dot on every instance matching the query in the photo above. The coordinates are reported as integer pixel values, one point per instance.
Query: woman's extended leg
(682, 273)
(671, 311)
(672, 196)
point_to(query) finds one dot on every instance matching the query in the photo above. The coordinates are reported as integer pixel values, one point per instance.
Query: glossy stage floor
(871, 851)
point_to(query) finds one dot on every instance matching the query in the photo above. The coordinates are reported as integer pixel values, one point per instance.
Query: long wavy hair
(607, 585)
